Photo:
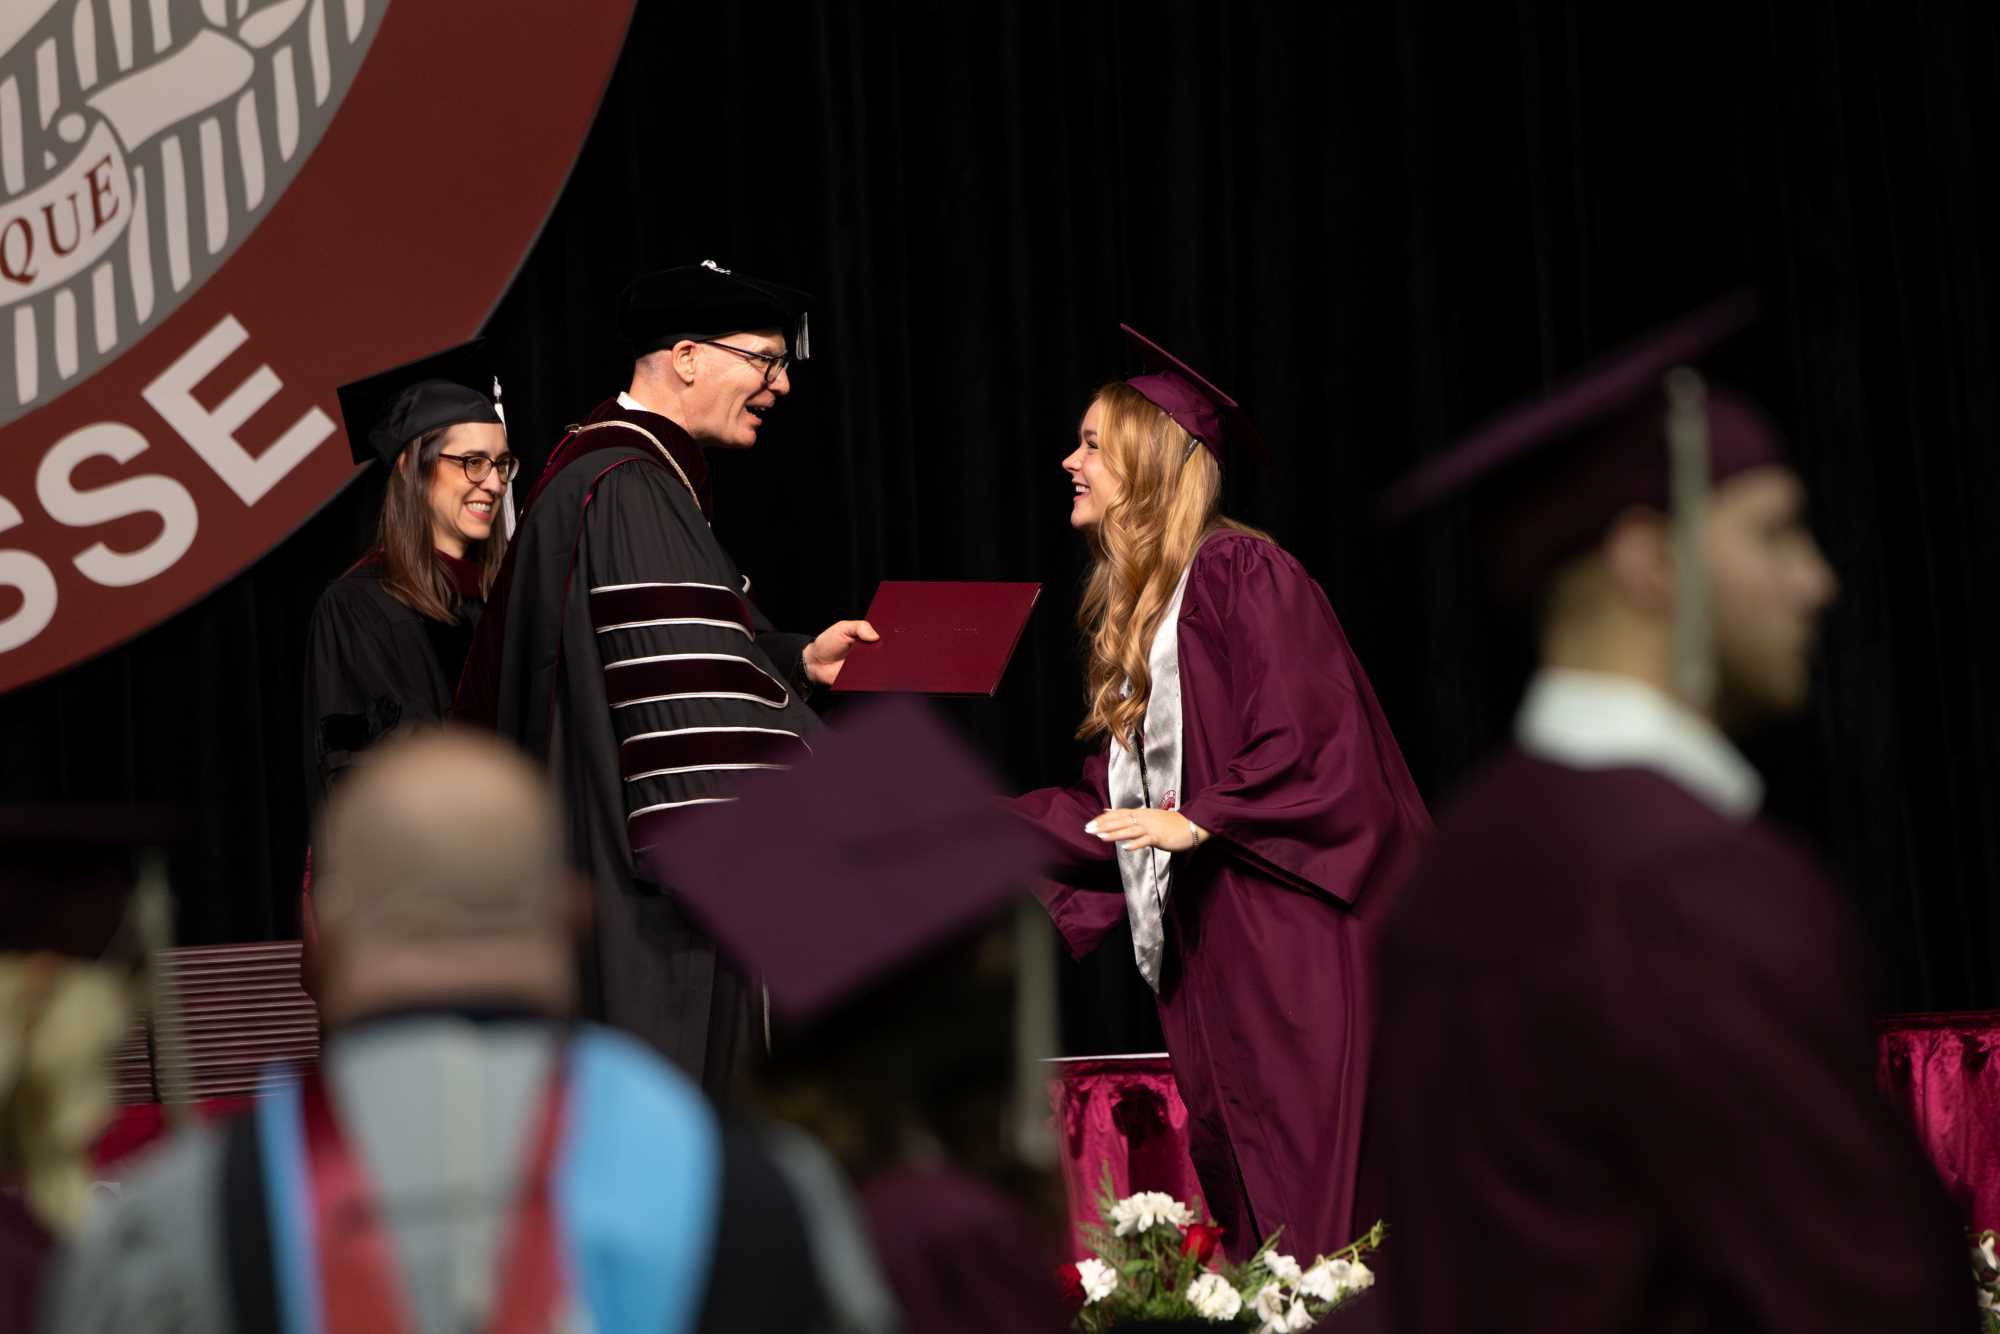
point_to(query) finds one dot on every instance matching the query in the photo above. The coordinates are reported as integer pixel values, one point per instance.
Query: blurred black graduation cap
(386, 411)
(706, 300)
(832, 878)
(67, 873)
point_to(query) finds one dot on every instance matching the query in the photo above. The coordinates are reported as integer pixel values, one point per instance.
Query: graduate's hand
(825, 654)
(1143, 828)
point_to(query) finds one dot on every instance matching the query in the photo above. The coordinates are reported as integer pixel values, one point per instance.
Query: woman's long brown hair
(1169, 500)
(411, 571)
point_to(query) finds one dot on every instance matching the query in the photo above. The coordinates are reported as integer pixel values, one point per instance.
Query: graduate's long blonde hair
(1169, 500)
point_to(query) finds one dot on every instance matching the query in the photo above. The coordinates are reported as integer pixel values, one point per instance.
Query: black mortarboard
(67, 872)
(831, 878)
(706, 300)
(385, 412)
(1212, 417)
(1548, 476)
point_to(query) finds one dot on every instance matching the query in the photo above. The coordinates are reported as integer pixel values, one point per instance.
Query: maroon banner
(212, 212)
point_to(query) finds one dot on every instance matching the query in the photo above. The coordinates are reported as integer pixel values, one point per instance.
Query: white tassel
(507, 496)
(1036, 1035)
(153, 917)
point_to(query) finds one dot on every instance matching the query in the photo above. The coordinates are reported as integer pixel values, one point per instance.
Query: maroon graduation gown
(619, 647)
(1265, 994)
(961, 1257)
(25, 1251)
(1625, 1058)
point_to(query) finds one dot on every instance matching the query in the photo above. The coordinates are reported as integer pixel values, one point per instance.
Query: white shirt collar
(1595, 720)
(631, 404)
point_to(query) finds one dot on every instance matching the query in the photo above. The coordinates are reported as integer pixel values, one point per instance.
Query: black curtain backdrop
(1376, 224)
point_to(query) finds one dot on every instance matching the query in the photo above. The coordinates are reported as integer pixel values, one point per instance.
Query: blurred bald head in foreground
(440, 877)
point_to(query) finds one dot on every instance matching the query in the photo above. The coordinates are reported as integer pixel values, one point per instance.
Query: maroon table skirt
(1940, 1069)
(1121, 1114)
(1124, 1114)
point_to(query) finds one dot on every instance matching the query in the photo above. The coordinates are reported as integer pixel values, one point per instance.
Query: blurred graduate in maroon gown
(1249, 815)
(1626, 1044)
(888, 952)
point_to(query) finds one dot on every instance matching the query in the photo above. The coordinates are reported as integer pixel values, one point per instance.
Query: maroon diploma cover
(938, 638)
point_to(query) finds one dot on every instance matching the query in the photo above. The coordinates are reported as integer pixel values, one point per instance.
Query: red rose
(1071, 1284)
(1201, 1241)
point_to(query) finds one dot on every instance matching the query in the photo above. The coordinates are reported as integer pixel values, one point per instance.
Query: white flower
(1985, 1251)
(1330, 1280)
(1099, 1279)
(1298, 1317)
(1283, 1267)
(1269, 1306)
(1213, 1298)
(1322, 1281)
(1148, 1209)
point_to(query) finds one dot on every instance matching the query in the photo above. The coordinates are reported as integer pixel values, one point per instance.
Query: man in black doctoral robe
(621, 647)
(1625, 1073)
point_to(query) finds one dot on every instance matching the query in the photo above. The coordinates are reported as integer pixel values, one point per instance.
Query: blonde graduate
(1244, 813)
(1156, 495)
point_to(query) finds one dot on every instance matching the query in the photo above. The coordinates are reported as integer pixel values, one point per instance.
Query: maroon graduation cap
(828, 878)
(1197, 406)
(1547, 477)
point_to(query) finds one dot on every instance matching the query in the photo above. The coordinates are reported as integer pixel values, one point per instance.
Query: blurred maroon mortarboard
(1197, 407)
(67, 872)
(826, 879)
(1548, 476)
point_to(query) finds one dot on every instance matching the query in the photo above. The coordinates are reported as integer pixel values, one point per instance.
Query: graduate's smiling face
(1092, 487)
(463, 511)
(728, 386)
(1771, 583)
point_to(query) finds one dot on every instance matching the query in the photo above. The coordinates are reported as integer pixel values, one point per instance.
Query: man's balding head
(439, 878)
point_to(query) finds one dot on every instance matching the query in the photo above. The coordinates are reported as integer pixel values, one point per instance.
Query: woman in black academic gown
(389, 636)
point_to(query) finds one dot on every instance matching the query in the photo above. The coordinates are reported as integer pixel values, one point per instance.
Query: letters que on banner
(212, 212)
